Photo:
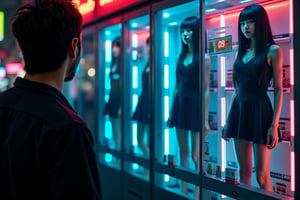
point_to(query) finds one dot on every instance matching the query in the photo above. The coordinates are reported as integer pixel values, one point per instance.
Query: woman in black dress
(112, 107)
(141, 114)
(251, 120)
(185, 112)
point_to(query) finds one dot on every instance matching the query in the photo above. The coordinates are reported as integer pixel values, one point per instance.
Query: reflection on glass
(113, 105)
(137, 139)
(110, 91)
(255, 122)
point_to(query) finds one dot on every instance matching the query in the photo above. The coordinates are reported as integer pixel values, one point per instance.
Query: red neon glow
(291, 17)
(292, 171)
(87, 9)
(105, 7)
(292, 116)
(13, 68)
(292, 66)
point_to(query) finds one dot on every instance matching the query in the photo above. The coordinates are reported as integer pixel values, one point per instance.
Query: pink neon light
(13, 68)
(292, 116)
(292, 66)
(292, 171)
(291, 17)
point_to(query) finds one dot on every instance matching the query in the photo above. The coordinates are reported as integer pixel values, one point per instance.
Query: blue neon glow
(134, 40)
(135, 166)
(134, 77)
(245, 1)
(108, 51)
(167, 104)
(167, 178)
(166, 44)
(134, 25)
(107, 33)
(78, 68)
(166, 76)
(107, 79)
(134, 134)
(173, 23)
(108, 130)
(167, 139)
(210, 10)
(134, 54)
(108, 157)
(134, 101)
(166, 15)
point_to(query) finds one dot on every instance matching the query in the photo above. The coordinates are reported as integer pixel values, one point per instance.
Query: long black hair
(263, 35)
(116, 42)
(193, 24)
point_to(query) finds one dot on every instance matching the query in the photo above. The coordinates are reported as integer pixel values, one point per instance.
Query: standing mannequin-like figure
(185, 115)
(141, 114)
(113, 106)
(251, 120)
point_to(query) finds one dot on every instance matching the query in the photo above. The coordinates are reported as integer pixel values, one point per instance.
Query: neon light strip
(167, 104)
(134, 101)
(292, 66)
(222, 22)
(134, 77)
(292, 116)
(166, 44)
(134, 40)
(167, 141)
(107, 51)
(108, 157)
(167, 178)
(1, 25)
(166, 76)
(223, 74)
(291, 17)
(223, 142)
(293, 171)
(134, 134)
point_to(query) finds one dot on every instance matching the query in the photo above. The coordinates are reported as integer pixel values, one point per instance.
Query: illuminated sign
(87, 9)
(220, 45)
(2, 23)
(13, 68)
(105, 7)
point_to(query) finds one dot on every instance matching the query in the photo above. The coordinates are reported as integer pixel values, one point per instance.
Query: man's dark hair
(44, 32)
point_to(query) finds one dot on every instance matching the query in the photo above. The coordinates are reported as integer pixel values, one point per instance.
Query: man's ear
(72, 48)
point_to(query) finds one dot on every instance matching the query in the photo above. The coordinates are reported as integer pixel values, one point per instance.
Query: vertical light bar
(223, 74)
(134, 40)
(292, 67)
(167, 139)
(134, 134)
(166, 76)
(291, 17)
(108, 51)
(292, 117)
(2, 22)
(108, 157)
(223, 142)
(108, 129)
(292, 171)
(167, 104)
(222, 20)
(134, 77)
(134, 101)
(166, 44)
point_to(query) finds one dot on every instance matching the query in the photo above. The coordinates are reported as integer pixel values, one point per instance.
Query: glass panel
(137, 88)
(247, 112)
(177, 88)
(110, 97)
(81, 90)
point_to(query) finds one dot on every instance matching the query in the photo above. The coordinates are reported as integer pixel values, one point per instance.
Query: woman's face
(116, 50)
(187, 35)
(248, 28)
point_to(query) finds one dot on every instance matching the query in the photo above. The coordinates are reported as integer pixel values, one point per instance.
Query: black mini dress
(141, 113)
(251, 112)
(113, 105)
(185, 112)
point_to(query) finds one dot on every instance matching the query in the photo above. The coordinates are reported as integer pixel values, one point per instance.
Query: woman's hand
(272, 137)
(224, 130)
